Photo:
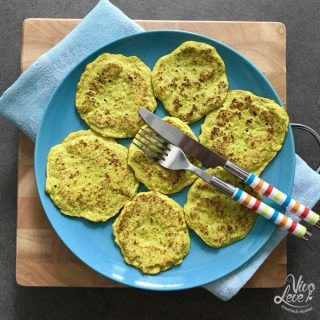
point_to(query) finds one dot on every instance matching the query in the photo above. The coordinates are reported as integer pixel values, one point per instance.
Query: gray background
(303, 78)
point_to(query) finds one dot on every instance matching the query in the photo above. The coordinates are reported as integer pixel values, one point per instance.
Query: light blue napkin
(306, 189)
(26, 100)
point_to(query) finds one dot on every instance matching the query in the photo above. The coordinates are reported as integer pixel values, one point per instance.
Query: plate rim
(37, 171)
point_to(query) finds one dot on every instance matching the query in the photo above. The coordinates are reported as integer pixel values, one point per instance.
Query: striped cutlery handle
(282, 199)
(283, 221)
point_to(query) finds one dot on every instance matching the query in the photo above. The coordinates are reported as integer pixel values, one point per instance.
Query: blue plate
(93, 242)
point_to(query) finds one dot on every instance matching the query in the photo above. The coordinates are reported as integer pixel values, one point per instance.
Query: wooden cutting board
(42, 258)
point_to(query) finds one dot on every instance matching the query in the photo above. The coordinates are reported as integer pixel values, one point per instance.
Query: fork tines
(152, 145)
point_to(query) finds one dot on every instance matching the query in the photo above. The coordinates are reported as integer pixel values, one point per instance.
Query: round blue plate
(93, 242)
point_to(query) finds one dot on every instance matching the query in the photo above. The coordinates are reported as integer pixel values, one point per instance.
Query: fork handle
(282, 199)
(252, 203)
(256, 205)
(283, 221)
(273, 193)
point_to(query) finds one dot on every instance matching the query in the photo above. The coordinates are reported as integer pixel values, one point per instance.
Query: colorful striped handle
(283, 221)
(284, 200)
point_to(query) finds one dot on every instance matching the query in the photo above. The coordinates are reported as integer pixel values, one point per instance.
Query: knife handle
(282, 199)
(283, 221)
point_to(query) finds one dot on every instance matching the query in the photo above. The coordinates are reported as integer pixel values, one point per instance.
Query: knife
(212, 159)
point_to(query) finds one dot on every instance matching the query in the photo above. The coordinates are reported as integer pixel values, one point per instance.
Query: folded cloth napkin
(26, 100)
(306, 189)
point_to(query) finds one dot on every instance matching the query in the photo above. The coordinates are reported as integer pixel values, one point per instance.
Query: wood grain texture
(42, 258)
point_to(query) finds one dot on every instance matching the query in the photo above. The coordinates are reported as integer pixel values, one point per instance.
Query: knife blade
(190, 146)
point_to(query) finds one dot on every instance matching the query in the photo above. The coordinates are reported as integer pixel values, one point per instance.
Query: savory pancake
(216, 218)
(248, 130)
(154, 176)
(152, 233)
(88, 176)
(190, 81)
(111, 91)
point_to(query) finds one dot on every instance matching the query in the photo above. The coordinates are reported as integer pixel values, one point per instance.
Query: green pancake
(110, 93)
(247, 129)
(154, 176)
(152, 233)
(88, 176)
(216, 218)
(190, 81)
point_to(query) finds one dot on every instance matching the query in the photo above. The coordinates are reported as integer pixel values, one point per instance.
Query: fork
(172, 157)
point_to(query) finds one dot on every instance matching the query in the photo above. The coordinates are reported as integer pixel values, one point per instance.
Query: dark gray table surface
(303, 80)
